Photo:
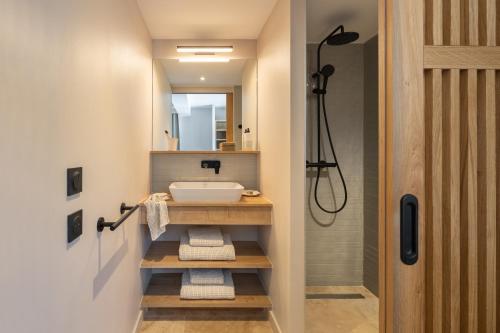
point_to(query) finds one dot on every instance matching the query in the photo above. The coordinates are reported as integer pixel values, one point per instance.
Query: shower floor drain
(335, 296)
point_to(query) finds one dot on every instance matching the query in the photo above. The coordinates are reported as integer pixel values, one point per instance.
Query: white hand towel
(192, 291)
(157, 214)
(188, 252)
(200, 276)
(205, 236)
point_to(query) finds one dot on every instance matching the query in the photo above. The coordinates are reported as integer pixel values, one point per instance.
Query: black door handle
(409, 229)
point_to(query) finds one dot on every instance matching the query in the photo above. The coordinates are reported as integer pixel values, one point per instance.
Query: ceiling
(216, 74)
(175, 22)
(202, 19)
(356, 15)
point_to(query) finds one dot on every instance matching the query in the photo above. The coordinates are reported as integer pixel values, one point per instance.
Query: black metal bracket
(319, 91)
(124, 208)
(321, 164)
(101, 222)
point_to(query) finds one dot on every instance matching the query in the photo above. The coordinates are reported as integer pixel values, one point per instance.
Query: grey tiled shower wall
(342, 252)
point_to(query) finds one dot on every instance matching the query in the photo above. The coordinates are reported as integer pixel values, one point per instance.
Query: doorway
(342, 222)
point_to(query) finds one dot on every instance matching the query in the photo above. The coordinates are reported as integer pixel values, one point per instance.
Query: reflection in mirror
(200, 121)
(204, 106)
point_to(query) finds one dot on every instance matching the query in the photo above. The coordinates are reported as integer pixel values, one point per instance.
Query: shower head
(324, 72)
(327, 70)
(343, 37)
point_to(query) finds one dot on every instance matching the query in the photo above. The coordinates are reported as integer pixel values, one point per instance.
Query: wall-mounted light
(202, 78)
(204, 49)
(203, 59)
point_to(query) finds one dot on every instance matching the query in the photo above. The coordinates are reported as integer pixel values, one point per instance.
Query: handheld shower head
(326, 72)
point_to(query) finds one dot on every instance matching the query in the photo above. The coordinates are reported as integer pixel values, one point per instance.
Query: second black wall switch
(75, 225)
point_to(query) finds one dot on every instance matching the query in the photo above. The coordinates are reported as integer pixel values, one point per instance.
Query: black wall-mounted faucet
(211, 164)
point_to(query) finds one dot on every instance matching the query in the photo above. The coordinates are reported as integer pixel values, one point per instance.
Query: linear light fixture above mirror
(203, 59)
(204, 49)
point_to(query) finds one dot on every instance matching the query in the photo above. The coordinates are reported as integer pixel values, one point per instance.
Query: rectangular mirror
(204, 101)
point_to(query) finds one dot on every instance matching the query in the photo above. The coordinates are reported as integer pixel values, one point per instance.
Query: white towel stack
(205, 276)
(206, 244)
(205, 237)
(202, 290)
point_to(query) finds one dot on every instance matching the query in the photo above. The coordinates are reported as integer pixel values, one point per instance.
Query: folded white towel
(202, 276)
(192, 291)
(188, 252)
(205, 236)
(157, 214)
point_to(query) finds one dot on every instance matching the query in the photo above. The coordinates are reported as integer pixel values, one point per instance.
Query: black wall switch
(75, 223)
(74, 181)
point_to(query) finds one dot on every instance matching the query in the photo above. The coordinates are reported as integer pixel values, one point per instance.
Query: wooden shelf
(203, 152)
(247, 211)
(165, 255)
(163, 291)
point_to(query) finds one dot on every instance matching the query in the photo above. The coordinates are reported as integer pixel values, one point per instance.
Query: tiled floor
(341, 315)
(206, 321)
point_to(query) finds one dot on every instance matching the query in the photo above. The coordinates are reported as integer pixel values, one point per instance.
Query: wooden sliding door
(442, 144)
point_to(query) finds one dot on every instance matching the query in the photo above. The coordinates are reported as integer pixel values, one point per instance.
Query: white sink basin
(206, 191)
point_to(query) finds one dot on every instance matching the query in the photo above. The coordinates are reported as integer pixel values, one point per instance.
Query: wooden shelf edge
(245, 202)
(163, 291)
(204, 152)
(248, 211)
(164, 254)
(218, 223)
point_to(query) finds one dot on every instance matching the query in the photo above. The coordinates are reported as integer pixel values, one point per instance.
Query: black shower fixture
(337, 37)
(343, 37)
(325, 72)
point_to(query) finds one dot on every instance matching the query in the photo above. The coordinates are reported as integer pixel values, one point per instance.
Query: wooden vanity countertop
(259, 201)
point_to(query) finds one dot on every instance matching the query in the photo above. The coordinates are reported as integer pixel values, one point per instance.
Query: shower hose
(323, 106)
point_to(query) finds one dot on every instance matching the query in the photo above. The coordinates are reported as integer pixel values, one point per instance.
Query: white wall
(75, 90)
(162, 106)
(298, 171)
(249, 99)
(281, 67)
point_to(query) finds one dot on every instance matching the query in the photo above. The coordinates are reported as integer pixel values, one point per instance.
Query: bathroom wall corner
(370, 167)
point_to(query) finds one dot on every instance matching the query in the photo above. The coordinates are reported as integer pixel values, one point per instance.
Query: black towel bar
(101, 224)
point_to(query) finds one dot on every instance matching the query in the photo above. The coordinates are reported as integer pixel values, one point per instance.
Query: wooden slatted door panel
(462, 63)
(457, 289)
